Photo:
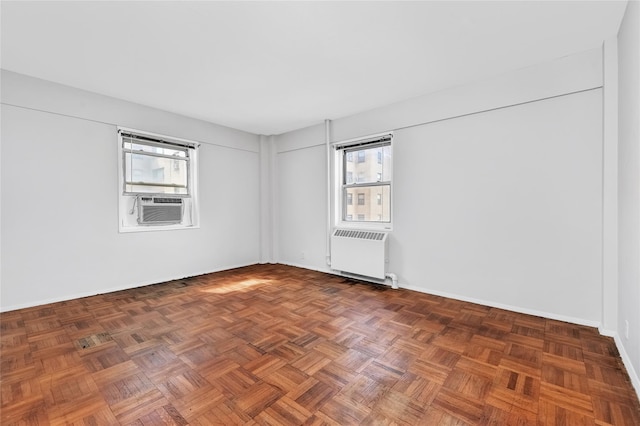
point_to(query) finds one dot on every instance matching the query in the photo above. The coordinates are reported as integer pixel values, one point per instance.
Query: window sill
(365, 226)
(151, 228)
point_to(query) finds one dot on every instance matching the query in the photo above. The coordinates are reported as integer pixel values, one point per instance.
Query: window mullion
(365, 185)
(165, 185)
(155, 154)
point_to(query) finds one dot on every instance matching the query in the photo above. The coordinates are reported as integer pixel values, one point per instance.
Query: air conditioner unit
(159, 210)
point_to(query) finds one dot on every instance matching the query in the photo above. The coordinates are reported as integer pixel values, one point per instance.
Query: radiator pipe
(327, 139)
(394, 279)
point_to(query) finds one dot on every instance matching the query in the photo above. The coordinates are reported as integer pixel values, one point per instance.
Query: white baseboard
(633, 374)
(564, 318)
(339, 273)
(312, 268)
(112, 289)
(66, 297)
(519, 309)
(607, 332)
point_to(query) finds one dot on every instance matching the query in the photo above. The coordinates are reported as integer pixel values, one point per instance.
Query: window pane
(373, 165)
(174, 152)
(349, 177)
(373, 204)
(150, 174)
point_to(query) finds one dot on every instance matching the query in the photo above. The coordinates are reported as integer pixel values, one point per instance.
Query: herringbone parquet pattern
(287, 346)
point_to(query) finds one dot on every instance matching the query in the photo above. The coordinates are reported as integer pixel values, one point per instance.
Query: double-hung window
(158, 181)
(372, 188)
(154, 166)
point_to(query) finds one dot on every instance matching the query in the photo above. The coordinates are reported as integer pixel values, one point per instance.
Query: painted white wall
(629, 191)
(59, 195)
(498, 197)
(504, 207)
(301, 197)
(267, 197)
(581, 71)
(42, 95)
(302, 205)
(609, 325)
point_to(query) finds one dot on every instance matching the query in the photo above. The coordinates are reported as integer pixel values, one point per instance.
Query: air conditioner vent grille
(361, 235)
(166, 200)
(156, 214)
(160, 210)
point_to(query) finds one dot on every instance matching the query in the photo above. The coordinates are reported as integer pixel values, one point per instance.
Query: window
(158, 174)
(154, 166)
(350, 177)
(372, 183)
(157, 181)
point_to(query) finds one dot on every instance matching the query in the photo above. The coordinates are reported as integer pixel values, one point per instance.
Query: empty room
(320, 213)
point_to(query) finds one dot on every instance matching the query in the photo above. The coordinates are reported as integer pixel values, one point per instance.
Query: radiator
(359, 252)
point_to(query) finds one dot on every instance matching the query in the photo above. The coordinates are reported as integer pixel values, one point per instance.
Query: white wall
(267, 199)
(504, 207)
(569, 74)
(498, 189)
(59, 179)
(609, 325)
(302, 201)
(629, 190)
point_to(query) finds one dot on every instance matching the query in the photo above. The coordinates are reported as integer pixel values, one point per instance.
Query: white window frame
(127, 201)
(339, 200)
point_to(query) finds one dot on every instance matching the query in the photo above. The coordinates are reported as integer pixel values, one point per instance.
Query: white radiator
(359, 252)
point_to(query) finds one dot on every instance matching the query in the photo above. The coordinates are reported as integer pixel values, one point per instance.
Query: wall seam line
(116, 125)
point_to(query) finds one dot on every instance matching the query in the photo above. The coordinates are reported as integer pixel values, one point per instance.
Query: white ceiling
(271, 67)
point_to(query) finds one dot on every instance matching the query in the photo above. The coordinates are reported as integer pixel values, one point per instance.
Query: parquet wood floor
(272, 344)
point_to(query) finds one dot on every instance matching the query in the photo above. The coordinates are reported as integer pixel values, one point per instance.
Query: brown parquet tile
(277, 345)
